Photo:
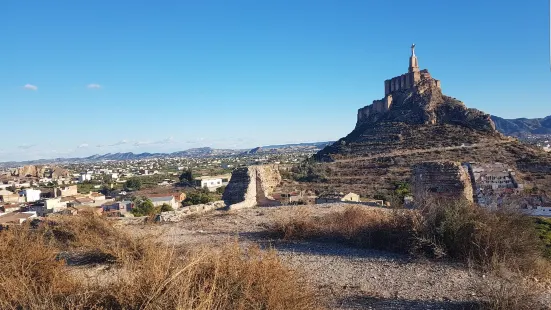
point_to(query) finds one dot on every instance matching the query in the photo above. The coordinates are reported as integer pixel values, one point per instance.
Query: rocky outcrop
(441, 180)
(418, 118)
(180, 214)
(252, 186)
(40, 172)
(424, 104)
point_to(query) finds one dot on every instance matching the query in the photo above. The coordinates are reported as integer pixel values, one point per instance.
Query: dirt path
(346, 278)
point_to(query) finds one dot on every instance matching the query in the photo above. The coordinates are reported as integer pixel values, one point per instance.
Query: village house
(97, 196)
(211, 183)
(66, 191)
(337, 197)
(49, 206)
(9, 197)
(119, 208)
(85, 177)
(169, 200)
(9, 208)
(31, 195)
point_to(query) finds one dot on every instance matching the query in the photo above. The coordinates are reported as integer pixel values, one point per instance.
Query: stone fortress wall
(398, 83)
(252, 186)
(443, 179)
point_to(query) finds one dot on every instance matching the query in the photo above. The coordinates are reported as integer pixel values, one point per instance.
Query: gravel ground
(344, 277)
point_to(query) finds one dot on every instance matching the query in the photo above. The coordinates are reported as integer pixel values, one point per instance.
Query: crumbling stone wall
(443, 179)
(180, 214)
(252, 186)
(267, 178)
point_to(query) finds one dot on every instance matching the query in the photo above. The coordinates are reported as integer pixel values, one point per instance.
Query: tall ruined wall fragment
(251, 186)
(441, 180)
(267, 178)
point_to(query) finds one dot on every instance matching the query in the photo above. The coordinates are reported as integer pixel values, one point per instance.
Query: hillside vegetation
(38, 272)
(505, 244)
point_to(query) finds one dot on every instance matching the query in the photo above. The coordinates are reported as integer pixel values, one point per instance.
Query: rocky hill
(415, 122)
(523, 126)
(419, 118)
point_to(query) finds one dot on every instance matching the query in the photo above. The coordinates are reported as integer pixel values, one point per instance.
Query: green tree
(221, 190)
(198, 197)
(165, 208)
(186, 178)
(401, 189)
(143, 207)
(133, 184)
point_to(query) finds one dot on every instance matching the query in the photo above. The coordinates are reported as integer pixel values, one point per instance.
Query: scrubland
(448, 255)
(40, 271)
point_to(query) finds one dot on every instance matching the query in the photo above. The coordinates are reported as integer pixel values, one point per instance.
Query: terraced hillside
(422, 124)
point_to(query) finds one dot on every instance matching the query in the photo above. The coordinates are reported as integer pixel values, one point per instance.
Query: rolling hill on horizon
(193, 152)
(523, 126)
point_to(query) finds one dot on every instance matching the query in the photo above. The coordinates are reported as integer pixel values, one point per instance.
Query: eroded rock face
(444, 179)
(40, 171)
(418, 118)
(424, 104)
(252, 186)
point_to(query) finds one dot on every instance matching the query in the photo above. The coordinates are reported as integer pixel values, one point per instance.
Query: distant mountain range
(192, 153)
(523, 126)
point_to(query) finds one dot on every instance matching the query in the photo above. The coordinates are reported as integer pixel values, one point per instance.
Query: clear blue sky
(85, 77)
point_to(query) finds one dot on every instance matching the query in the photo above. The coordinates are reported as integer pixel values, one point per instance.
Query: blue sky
(85, 77)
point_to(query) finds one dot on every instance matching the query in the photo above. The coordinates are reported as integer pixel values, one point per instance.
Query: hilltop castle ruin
(396, 84)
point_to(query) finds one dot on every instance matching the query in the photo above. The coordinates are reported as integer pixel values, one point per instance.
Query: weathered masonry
(395, 84)
(252, 186)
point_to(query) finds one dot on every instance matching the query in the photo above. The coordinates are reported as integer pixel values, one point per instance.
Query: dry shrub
(230, 279)
(457, 230)
(29, 273)
(363, 227)
(160, 277)
(90, 238)
(512, 295)
(490, 240)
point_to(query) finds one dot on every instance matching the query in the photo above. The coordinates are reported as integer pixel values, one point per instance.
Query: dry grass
(361, 227)
(457, 230)
(491, 240)
(512, 295)
(148, 275)
(504, 244)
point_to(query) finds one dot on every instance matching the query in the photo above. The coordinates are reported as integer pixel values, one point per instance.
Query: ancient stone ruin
(414, 114)
(443, 179)
(252, 186)
(403, 82)
(180, 214)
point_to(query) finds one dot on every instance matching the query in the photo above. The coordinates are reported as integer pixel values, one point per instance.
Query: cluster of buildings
(490, 185)
(493, 184)
(27, 203)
